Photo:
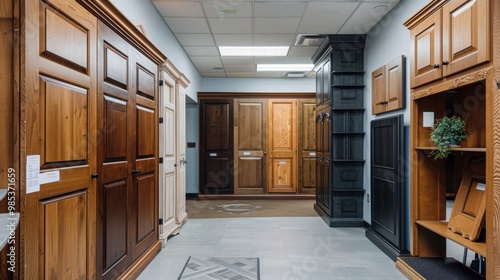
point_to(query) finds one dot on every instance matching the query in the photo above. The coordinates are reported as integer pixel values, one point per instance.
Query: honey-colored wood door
(57, 235)
(250, 151)
(466, 34)
(306, 131)
(282, 161)
(425, 49)
(167, 147)
(379, 83)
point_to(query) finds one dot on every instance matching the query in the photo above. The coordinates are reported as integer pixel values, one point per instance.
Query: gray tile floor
(289, 248)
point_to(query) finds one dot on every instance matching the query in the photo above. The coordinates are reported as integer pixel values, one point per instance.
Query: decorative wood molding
(174, 72)
(454, 83)
(231, 95)
(424, 13)
(112, 17)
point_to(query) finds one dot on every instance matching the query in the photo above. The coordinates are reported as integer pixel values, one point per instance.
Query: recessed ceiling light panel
(285, 67)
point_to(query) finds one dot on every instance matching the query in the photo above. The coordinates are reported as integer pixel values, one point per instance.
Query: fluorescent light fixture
(253, 51)
(295, 74)
(285, 67)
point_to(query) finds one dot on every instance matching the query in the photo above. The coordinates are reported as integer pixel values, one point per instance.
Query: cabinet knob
(445, 63)
(94, 175)
(383, 103)
(135, 171)
(436, 65)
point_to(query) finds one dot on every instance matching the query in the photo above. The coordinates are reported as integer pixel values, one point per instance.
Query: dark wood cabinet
(339, 128)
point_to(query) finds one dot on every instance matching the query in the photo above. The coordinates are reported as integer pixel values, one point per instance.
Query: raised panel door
(425, 50)
(58, 124)
(216, 146)
(167, 193)
(250, 137)
(181, 214)
(282, 145)
(306, 130)
(379, 90)
(466, 34)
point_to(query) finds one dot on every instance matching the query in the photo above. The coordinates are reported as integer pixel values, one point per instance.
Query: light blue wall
(144, 12)
(192, 131)
(385, 42)
(259, 85)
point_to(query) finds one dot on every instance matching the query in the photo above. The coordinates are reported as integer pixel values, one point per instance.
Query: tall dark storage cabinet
(339, 128)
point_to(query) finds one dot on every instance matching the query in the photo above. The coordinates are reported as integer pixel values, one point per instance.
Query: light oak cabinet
(452, 38)
(387, 87)
(467, 86)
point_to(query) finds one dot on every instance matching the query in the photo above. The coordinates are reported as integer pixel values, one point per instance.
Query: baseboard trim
(385, 246)
(191, 196)
(338, 222)
(141, 263)
(255, 197)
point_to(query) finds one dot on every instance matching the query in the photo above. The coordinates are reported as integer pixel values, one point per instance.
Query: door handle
(136, 171)
(94, 175)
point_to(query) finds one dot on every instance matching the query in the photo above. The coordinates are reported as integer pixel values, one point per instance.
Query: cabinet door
(466, 34)
(327, 82)
(425, 50)
(167, 152)
(379, 90)
(282, 145)
(319, 86)
(250, 138)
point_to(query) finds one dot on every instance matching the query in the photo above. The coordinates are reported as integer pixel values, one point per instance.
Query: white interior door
(181, 155)
(168, 153)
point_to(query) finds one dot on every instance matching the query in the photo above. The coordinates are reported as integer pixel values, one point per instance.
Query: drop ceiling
(202, 25)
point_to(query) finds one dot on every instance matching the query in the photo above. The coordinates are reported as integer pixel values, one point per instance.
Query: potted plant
(447, 132)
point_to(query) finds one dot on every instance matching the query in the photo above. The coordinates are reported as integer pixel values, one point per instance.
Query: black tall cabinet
(339, 130)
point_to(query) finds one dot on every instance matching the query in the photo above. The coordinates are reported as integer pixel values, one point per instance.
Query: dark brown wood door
(58, 136)
(127, 122)
(306, 131)
(216, 146)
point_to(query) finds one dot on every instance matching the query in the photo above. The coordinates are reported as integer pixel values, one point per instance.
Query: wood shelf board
(6, 220)
(441, 228)
(3, 193)
(455, 149)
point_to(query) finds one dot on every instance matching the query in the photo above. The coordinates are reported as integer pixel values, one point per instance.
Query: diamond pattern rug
(211, 268)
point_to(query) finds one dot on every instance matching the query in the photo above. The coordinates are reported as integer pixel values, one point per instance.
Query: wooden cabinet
(262, 134)
(388, 87)
(448, 37)
(466, 89)
(87, 84)
(339, 128)
(172, 199)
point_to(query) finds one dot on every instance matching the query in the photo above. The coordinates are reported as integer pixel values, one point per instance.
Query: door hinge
(160, 221)
(161, 120)
(160, 160)
(160, 83)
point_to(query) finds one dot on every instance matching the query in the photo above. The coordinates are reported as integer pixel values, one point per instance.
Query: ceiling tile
(276, 25)
(268, 74)
(279, 9)
(213, 74)
(227, 60)
(195, 39)
(274, 39)
(365, 17)
(187, 25)
(239, 68)
(227, 9)
(270, 59)
(202, 51)
(179, 9)
(241, 74)
(233, 39)
(230, 25)
(326, 17)
(206, 63)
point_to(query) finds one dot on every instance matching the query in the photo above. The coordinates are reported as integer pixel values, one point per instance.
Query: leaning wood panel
(65, 241)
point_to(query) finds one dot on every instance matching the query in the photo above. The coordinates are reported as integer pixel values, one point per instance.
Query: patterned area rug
(211, 268)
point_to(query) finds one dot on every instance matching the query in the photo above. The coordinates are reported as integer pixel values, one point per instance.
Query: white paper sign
(312, 154)
(49, 177)
(428, 119)
(246, 153)
(213, 154)
(481, 187)
(32, 173)
(282, 162)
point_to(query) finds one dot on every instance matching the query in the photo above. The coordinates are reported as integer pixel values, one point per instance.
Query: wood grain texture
(306, 131)
(493, 157)
(378, 90)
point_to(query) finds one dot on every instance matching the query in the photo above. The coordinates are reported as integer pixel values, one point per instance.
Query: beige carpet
(249, 208)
